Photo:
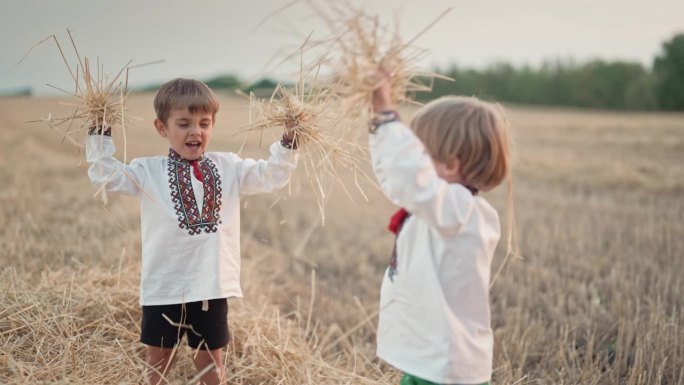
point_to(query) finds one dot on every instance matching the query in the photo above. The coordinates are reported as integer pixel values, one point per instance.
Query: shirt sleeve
(408, 177)
(106, 170)
(261, 176)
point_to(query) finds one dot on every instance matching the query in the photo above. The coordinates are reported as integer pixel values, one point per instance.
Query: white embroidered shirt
(434, 320)
(190, 228)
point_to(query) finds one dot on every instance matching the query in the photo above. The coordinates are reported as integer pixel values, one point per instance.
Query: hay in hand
(312, 116)
(364, 45)
(99, 99)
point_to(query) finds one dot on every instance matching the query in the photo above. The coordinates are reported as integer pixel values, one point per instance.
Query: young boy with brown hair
(190, 222)
(434, 320)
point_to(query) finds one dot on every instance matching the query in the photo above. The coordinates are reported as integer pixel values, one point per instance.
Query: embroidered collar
(173, 155)
(181, 188)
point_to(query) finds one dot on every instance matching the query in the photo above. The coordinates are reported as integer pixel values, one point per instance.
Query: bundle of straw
(99, 98)
(99, 101)
(291, 111)
(312, 116)
(363, 45)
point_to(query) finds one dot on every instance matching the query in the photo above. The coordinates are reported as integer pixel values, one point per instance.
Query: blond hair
(471, 130)
(185, 93)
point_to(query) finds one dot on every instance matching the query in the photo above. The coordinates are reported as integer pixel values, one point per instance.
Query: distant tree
(224, 82)
(265, 83)
(669, 70)
(262, 88)
(612, 85)
(560, 77)
(19, 91)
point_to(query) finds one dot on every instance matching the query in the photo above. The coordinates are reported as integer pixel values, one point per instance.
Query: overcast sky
(203, 38)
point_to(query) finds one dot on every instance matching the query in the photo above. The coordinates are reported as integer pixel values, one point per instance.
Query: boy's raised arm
(406, 172)
(261, 176)
(106, 170)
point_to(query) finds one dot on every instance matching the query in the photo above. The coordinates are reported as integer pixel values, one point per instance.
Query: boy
(434, 321)
(190, 223)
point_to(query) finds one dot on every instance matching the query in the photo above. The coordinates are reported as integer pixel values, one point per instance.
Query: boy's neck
(173, 154)
(472, 189)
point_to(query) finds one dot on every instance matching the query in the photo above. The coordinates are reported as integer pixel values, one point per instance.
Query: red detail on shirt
(397, 220)
(196, 170)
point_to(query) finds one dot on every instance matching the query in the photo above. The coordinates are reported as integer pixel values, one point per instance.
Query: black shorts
(164, 325)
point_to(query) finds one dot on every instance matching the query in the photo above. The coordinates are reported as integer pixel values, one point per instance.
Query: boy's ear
(454, 166)
(160, 127)
(452, 172)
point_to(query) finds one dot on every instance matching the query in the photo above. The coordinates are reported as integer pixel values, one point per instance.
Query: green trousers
(412, 380)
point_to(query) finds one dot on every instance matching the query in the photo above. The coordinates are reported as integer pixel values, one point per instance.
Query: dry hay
(71, 327)
(362, 44)
(356, 45)
(82, 326)
(99, 98)
(312, 116)
(99, 101)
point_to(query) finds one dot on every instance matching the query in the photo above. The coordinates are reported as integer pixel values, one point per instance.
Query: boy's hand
(289, 132)
(382, 92)
(289, 139)
(99, 129)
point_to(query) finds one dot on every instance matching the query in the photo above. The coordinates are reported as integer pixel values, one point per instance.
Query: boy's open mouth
(194, 144)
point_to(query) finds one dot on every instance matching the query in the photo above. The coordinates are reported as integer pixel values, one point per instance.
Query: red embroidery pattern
(183, 197)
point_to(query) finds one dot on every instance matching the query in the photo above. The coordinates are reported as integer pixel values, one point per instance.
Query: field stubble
(597, 298)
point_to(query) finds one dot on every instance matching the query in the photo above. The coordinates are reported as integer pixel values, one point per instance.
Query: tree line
(618, 85)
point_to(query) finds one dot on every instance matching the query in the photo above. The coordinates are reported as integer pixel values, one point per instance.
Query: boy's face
(188, 133)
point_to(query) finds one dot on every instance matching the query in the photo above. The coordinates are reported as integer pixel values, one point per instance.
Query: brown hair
(185, 93)
(471, 130)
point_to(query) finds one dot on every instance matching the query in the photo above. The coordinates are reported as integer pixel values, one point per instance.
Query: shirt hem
(431, 378)
(158, 302)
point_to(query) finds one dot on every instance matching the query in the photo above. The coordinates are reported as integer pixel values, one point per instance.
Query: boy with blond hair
(434, 320)
(190, 223)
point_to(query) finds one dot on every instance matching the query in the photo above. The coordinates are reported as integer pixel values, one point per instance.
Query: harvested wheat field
(597, 298)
